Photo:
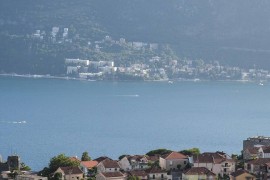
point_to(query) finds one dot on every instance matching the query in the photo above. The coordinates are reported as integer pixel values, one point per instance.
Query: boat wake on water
(13, 122)
(128, 95)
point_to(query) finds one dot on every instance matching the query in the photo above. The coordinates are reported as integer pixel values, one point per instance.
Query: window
(115, 169)
(170, 163)
(154, 177)
(185, 162)
(162, 176)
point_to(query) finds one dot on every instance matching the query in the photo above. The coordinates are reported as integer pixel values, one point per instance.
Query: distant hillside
(235, 32)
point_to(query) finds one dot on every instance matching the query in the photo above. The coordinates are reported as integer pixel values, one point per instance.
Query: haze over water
(40, 118)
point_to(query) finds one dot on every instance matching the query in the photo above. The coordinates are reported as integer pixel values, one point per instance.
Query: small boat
(261, 84)
(170, 82)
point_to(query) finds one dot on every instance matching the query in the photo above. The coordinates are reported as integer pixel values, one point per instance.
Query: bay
(41, 118)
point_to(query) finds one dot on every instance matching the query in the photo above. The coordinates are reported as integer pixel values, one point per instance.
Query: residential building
(111, 176)
(77, 62)
(133, 162)
(108, 165)
(219, 163)
(139, 173)
(173, 161)
(156, 173)
(256, 140)
(242, 175)
(68, 173)
(30, 177)
(87, 165)
(259, 167)
(256, 152)
(196, 173)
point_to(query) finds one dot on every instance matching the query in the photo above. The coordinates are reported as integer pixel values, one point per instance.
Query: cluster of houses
(170, 166)
(158, 68)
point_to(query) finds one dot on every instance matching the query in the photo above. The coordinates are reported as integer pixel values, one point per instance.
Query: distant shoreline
(37, 76)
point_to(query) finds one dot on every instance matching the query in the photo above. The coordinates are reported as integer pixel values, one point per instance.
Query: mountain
(235, 32)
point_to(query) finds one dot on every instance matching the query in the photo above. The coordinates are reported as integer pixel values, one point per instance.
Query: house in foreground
(173, 161)
(156, 173)
(196, 173)
(242, 175)
(218, 162)
(108, 165)
(133, 162)
(67, 173)
(87, 166)
(141, 174)
(30, 177)
(259, 167)
(111, 176)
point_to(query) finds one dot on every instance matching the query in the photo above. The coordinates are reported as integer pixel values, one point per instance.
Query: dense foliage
(60, 160)
(158, 152)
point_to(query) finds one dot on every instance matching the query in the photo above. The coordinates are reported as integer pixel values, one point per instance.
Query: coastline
(171, 81)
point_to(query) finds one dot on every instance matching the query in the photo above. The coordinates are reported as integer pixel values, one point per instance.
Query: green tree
(120, 157)
(191, 152)
(58, 161)
(57, 176)
(62, 161)
(85, 156)
(158, 151)
(24, 167)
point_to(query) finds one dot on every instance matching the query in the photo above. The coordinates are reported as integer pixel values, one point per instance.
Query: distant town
(160, 164)
(110, 59)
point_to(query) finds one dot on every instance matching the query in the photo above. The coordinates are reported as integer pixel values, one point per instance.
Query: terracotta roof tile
(155, 170)
(113, 174)
(199, 171)
(71, 170)
(260, 161)
(89, 164)
(210, 157)
(110, 163)
(238, 173)
(141, 173)
(266, 149)
(174, 155)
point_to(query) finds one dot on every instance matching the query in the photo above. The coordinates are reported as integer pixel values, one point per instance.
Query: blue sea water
(115, 118)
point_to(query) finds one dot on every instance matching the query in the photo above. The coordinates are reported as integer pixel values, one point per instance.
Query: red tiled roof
(155, 170)
(89, 164)
(112, 174)
(266, 149)
(208, 157)
(260, 161)
(238, 173)
(71, 170)
(174, 155)
(199, 171)
(107, 163)
(141, 173)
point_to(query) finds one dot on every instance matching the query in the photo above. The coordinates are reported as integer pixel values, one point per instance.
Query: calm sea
(40, 118)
